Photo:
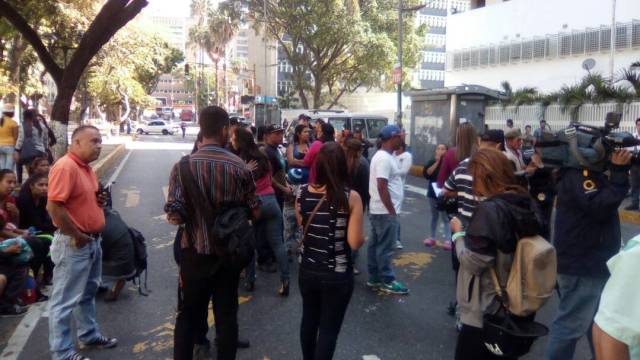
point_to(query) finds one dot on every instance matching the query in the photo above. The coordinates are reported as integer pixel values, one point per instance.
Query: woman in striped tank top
(331, 216)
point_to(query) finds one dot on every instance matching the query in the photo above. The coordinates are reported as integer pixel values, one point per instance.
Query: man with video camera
(587, 234)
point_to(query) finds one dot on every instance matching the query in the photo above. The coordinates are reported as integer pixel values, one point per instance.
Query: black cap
(270, 129)
(493, 135)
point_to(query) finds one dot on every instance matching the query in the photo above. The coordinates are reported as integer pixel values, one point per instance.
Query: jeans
(76, 277)
(16, 276)
(200, 280)
(292, 231)
(325, 298)
(380, 250)
(435, 216)
(470, 346)
(579, 299)
(268, 229)
(6, 157)
(634, 177)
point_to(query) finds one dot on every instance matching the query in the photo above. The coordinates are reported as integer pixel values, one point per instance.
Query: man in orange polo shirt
(75, 207)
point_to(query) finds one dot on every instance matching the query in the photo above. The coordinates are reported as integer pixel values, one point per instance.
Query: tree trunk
(60, 119)
(317, 93)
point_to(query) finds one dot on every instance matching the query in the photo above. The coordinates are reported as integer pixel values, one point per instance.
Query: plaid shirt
(223, 177)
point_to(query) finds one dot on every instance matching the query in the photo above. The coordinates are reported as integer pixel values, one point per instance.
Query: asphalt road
(376, 326)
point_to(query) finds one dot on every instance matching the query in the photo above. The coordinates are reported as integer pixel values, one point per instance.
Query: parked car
(157, 127)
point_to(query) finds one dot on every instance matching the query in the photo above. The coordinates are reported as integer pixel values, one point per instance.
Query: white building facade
(539, 43)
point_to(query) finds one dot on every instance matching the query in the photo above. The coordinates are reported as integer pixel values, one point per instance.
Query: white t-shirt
(405, 160)
(385, 166)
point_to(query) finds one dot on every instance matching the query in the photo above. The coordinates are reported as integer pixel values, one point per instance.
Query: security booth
(266, 111)
(436, 114)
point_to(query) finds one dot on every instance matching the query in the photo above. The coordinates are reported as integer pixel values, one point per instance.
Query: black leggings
(40, 248)
(325, 298)
(471, 346)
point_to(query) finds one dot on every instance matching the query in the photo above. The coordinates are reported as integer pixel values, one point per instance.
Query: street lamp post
(216, 58)
(402, 9)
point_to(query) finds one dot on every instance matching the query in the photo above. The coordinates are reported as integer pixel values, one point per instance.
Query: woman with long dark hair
(430, 172)
(506, 214)
(331, 216)
(325, 133)
(10, 216)
(33, 141)
(268, 228)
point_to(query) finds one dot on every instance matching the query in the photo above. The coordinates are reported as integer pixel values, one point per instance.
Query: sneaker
(100, 343)
(15, 310)
(356, 271)
(76, 356)
(394, 287)
(446, 245)
(429, 242)
(373, 284)
(632, 207)
(399, 245)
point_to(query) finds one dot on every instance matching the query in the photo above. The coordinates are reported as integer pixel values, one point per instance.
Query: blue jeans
(579, 298)
(269, 229)
(384, 232)
(435, 216)
(76, 277)
(6, 157)
(292, 231)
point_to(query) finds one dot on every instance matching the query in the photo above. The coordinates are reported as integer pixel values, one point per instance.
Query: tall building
(540, 43)
(173, 29)
(431, 73)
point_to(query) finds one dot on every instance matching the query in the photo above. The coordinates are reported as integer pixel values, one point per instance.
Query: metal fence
(589, 114)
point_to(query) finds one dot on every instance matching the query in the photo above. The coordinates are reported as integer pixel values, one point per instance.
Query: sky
(168, 7)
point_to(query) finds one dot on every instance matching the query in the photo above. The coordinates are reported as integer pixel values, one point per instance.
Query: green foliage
(129, 66)
(338, 46)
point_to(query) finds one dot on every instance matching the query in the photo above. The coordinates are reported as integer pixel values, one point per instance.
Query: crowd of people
(244, 205)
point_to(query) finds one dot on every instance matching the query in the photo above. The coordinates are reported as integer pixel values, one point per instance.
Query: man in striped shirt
(460, 183)
(224, 180)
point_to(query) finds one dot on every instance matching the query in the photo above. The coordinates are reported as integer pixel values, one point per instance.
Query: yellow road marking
(413, 262)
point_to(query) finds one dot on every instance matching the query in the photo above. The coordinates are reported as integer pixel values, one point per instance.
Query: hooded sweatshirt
(491, 238)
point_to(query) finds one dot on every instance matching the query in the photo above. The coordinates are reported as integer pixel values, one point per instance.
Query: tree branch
(19, 22)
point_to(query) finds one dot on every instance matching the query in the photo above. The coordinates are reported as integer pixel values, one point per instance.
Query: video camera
(583, 146)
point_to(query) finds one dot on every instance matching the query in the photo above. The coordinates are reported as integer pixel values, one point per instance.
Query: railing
(584, 42)
(589, 114)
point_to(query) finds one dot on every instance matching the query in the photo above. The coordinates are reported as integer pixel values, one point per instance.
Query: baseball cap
(270, 129)
(8, 108)
(390, 131)
(513, 133)
(493, 135)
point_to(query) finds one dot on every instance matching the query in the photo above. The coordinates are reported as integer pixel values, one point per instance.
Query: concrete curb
(628, 217)
(102, 167)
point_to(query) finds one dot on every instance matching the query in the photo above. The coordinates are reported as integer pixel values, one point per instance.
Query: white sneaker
(399, 245)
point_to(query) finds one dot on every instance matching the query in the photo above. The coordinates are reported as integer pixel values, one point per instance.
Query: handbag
(233, 234)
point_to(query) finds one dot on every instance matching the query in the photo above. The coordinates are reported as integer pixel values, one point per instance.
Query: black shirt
(433, 178)
(34, 215)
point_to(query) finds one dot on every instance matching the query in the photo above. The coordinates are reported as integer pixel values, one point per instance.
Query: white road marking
(119, 168)
(22, 333)
(370, 357)
(416, 189)
(28, 323)
(165, 192)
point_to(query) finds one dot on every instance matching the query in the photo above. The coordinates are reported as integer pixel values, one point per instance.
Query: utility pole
(399, 110)
(613, 39)
(266, 62)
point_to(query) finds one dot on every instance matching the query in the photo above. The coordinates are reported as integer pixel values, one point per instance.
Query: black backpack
(140, 261)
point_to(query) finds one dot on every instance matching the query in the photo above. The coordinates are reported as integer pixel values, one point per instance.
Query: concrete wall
(527, 19)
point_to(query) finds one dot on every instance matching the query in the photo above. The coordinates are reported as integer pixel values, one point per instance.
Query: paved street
(382, 326)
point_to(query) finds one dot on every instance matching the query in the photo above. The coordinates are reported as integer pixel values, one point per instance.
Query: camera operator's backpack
(532, 277)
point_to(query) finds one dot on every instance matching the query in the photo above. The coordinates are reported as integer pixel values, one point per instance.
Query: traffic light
(186, 69)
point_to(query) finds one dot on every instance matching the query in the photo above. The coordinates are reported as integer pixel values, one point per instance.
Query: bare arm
(293, 162)
(355, 236)
(385, 197)
(433, 168)
(16, 132)
(608, 347)
(59, 215)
